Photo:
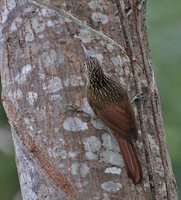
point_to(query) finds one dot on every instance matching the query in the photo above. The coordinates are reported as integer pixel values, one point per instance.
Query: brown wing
(119, 117)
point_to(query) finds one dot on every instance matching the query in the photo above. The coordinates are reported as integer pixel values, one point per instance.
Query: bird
(110, 103)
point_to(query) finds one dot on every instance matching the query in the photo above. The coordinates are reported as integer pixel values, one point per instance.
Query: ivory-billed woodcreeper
(111, 105)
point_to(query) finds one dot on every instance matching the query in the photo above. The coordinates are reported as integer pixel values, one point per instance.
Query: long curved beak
(85, 51)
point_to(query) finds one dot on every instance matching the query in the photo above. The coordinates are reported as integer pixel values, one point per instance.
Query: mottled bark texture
(67, 155)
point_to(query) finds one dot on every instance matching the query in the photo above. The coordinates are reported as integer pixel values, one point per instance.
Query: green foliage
(3, 118)
(9, 185)
(8, 177)
(164, 38)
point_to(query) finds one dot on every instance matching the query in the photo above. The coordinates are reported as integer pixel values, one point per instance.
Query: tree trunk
(67, 155)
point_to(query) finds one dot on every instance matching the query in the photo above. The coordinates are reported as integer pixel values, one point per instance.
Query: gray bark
(66, 155)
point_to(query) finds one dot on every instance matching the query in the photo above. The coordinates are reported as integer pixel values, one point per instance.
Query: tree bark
(66, 155)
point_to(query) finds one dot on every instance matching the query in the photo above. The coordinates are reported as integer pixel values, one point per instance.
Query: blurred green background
(164, 28)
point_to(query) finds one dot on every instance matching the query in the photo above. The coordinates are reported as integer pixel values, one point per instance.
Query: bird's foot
(77, 109)
(137, 97)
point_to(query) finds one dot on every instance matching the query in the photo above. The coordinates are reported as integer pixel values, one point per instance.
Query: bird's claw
(138, 96)
(74, 108)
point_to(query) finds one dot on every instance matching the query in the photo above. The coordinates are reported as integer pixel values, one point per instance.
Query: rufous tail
(131, 160)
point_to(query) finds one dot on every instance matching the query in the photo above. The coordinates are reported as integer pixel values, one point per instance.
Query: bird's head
(95, 73)
(93, 66)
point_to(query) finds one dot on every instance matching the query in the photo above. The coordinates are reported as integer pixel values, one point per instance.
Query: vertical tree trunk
(66, 155)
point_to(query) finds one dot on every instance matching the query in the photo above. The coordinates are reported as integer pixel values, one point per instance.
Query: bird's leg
(137, 97)
(74, 108)
(77, 109)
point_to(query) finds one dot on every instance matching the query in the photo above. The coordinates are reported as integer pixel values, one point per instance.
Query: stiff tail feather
(131, 160)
